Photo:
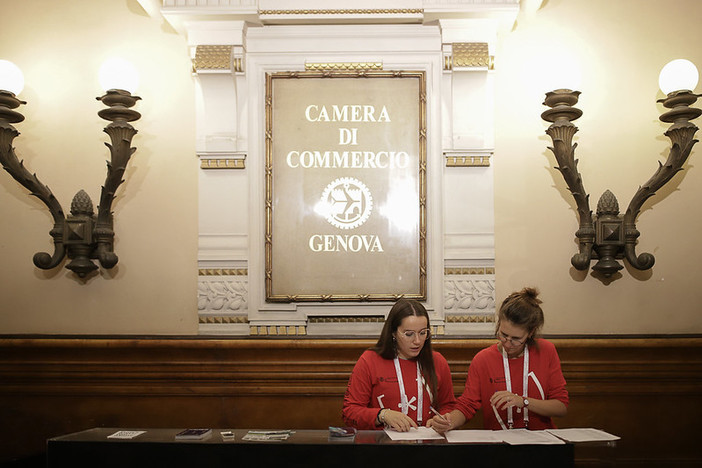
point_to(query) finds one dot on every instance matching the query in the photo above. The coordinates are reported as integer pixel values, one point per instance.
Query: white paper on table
(418, 433)
(479, 436)
(125, 434)
(583, 435)
(526, 437)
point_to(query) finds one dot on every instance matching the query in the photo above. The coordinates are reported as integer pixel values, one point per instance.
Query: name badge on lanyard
(525, 388)
(404, 403)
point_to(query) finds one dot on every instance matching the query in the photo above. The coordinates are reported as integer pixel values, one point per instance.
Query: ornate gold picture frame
(345, 182)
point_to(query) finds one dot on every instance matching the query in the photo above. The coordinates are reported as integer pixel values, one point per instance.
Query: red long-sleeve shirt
(486, 375)
(373, 385)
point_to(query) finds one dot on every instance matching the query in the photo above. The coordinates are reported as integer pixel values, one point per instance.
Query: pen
(438, 414)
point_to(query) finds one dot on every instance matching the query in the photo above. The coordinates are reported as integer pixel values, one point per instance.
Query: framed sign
(345, 186)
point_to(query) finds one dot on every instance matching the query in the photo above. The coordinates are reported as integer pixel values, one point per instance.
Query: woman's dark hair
(522, 309)
(386, 346)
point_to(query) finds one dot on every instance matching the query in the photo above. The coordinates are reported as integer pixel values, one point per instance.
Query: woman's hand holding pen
(397, 420)
(440, 423)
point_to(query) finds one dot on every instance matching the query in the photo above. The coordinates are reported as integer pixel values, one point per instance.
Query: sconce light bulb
(678, 75)
(117, 73)
(564, 73)
(11, 77)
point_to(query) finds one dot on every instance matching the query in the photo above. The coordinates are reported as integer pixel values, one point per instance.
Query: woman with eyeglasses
(518, 381)
(400, 381)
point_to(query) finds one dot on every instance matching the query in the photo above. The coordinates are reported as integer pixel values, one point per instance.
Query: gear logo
(348, 203)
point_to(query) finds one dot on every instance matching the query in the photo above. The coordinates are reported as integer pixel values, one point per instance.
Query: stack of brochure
(268, 435)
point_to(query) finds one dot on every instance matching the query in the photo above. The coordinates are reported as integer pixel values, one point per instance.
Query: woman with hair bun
(517, 381)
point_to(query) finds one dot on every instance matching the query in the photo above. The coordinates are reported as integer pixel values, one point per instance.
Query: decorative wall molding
(182, 14)
(212, 57)
(220, 4)
(344, 66)
(468, 307)
(469, 300)
(482, 270)
(467, 56)
(468, 158)
(344, 11)
(221, 319)
(220, 250)
(269, 7)
(469, 249)
(222, 301)
(278, 330)
(347, 319)
(466, 294)
(223, 164)
(223, 272)
(222, 294)
(222, 160)
(470, 318)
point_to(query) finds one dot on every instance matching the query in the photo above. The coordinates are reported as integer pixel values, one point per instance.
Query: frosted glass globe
(678, 75)
(564, 73)
(117, 73)
(11, 77)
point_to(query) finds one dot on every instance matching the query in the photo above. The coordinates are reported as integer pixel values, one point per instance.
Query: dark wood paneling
(648, 391)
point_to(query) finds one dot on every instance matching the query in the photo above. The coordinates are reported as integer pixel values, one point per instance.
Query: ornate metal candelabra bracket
(610, 236)
(81, 236)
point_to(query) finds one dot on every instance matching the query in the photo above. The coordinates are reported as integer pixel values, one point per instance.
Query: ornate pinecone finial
(82, 204)
(608, 204)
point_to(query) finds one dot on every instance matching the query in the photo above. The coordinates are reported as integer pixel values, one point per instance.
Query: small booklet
(193, 434)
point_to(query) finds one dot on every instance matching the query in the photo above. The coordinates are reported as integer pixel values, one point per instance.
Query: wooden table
(305, 448)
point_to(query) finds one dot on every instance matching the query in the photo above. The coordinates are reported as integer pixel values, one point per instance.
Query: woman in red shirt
(401, 379)
(518, 381)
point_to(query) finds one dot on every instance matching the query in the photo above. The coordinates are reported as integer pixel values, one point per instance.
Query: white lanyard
(404, 404)
(525, 388)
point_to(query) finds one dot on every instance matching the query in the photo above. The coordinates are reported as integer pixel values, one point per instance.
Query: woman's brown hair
(523, 309)
(386, 346)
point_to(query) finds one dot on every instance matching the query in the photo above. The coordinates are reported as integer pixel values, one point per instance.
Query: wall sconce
(82, 236)
(611, 236)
